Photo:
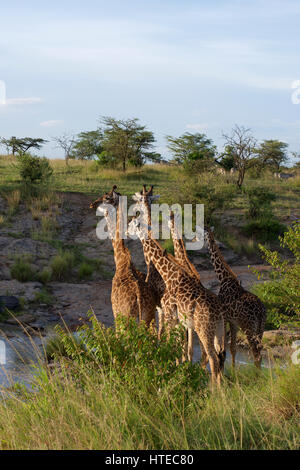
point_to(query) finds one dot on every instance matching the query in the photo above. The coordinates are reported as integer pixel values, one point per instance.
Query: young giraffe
(182, 258)
(185, 298)
(153, 278)
(130, 295)
(243, 309)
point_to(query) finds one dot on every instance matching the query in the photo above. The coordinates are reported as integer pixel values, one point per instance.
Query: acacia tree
(66, 142)
(88, 145)
(242, 146)
(193, 151)
(22, 145)
(125, 141)
(273, 153)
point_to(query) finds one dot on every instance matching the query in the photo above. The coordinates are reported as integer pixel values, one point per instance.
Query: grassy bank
(127, 393)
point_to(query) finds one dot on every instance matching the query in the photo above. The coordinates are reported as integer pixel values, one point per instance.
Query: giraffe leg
(185, 346)
(207, 340)
(255, 346)
(233, 333)
(190, 344)
(160, 321)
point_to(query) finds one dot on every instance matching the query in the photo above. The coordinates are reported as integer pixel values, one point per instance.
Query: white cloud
(51, 123)
(22, 101)
(202, 127)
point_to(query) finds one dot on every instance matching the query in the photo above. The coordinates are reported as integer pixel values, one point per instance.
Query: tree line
(121, 143)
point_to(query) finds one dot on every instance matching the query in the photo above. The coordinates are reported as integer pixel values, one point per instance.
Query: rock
(27, 290)
(4, 272)
(10, 302)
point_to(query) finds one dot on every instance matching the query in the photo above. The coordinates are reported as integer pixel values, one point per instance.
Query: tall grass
(120, 391)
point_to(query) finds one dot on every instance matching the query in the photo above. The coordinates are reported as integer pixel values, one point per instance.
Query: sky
(177, 65)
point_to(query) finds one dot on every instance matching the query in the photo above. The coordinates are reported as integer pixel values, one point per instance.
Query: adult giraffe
(244, 310)
(131, 295)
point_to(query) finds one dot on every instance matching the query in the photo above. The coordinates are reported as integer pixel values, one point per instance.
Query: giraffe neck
(121, 253)
(180, 252)
(168, 269)
(222, 270)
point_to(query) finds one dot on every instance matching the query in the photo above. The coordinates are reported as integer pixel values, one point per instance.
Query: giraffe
(182, 258)
(153, 277)
(131, 295)
(244, 310)
(185, 298)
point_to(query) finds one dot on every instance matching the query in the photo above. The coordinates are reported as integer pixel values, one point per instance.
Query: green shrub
(264, 229)
(207, 190)
(281, 295)
(43, 297)
(259, 199)
(22, 271)
(62, 265)
(44, 276)
(132, 353)
(34, 169)
(85, 270)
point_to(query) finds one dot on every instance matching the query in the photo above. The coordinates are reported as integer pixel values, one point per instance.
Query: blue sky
(177, 65)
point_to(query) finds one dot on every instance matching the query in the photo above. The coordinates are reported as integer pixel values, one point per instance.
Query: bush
(207, 190)
(34, 169)
(62, 265)
(133, 353)
(259, 202)
(264, 229)
(281, 295)
(45, 275)
(85, 270)
(22, 271)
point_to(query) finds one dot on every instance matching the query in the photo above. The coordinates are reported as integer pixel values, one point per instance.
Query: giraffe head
(206, 232)
(137, 228)
(108, 199)
(145, 197)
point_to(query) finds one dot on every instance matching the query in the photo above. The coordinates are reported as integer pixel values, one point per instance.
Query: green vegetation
(281, 295)
(123, 390)
(62, 265)
(194, 151)
(22, 270)
(34, 169)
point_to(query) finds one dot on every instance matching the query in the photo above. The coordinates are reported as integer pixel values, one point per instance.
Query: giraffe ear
(153, 198)
(212, 228)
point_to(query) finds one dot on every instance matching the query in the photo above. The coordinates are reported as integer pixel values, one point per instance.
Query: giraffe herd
(173, 288)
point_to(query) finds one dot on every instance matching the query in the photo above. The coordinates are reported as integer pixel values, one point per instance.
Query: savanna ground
(53, 262)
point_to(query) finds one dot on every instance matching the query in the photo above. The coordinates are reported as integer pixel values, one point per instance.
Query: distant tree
(194, 151)
(242, 145)
(88, 145)
(66, 142)
(125, 142)
(273, 153)
(296, 155)
(22, 145)
(226, 159)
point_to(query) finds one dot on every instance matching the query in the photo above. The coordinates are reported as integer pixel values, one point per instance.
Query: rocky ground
(44, 305)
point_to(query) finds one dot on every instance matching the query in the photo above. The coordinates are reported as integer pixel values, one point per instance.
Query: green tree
(273, 153)
(194, 151)
(226, 159)
(88, 145)
(125, 142)
(22, 145)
